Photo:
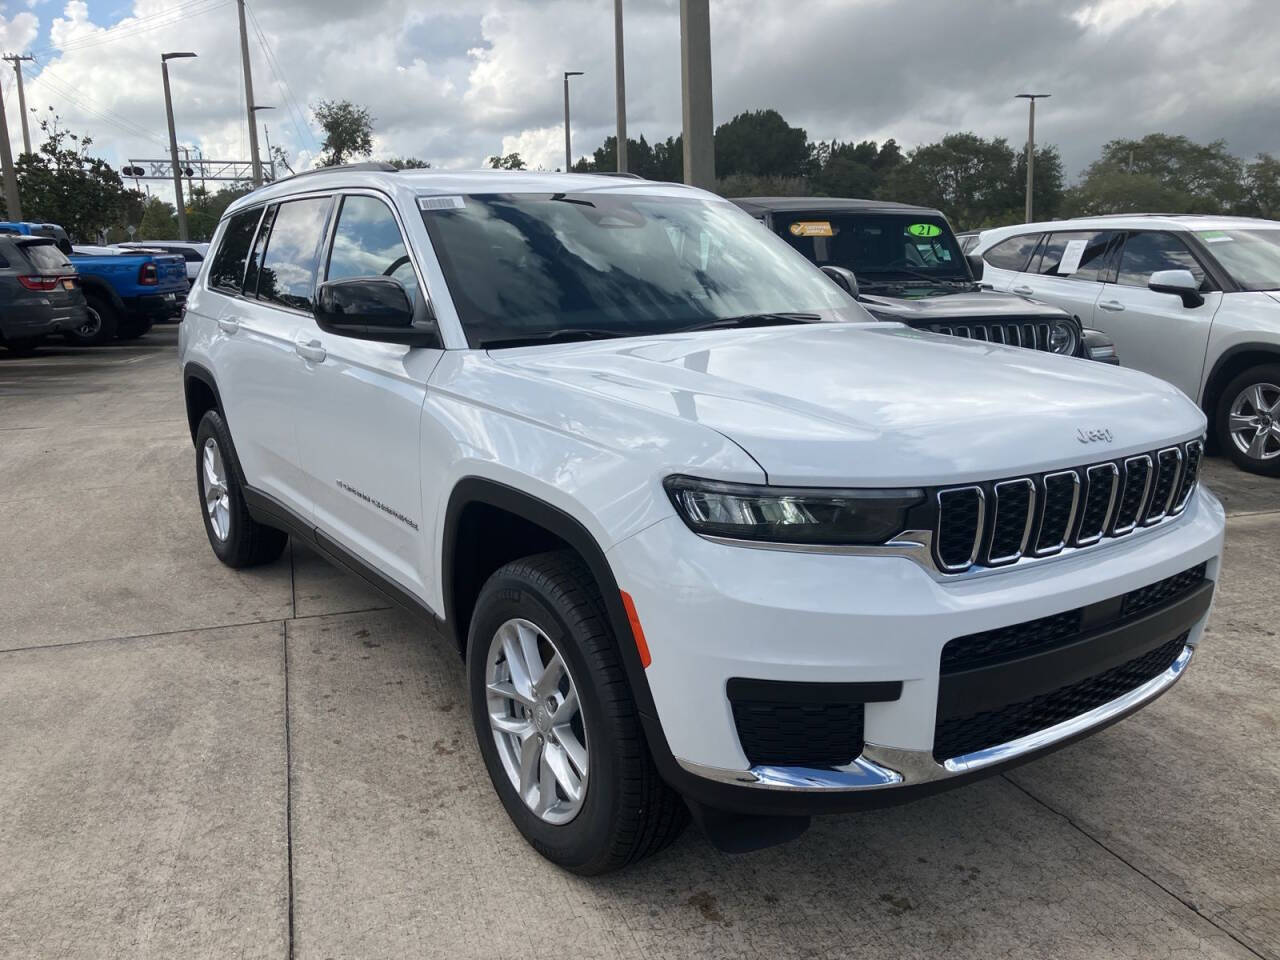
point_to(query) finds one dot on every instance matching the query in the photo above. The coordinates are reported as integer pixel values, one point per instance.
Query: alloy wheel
(217, 502)
(537, 721)
(91, 326)
(1254, 421)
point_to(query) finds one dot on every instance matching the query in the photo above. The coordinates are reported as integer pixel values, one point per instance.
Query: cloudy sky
(454, 82)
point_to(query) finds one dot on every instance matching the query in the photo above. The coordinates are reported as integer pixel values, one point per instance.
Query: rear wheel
(100, 325)
(1248, 420)
(237, 539)
(556, 722)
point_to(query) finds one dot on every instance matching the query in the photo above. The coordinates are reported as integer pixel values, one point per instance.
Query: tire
(22, 347)
(101, 327)
(237, 539)
(626, 811)
(1254, 398)
(132, 328)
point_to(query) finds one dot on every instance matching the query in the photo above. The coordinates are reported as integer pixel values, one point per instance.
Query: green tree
(1197, 177)
(849, 169)
(762, 143)
(971, 179)
(663, 160)
(1262, 187)
(512, 161)
(1047, 191)
(1115, 191)
(61, 183)
(348, 131)
(409, 163)
(159, 221)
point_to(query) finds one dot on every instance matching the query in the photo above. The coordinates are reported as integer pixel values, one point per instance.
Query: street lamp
(1031, 99)
(568, 150)
(173, 141)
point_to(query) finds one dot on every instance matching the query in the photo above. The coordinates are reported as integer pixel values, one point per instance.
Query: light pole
(173, 142)
(1031, 99)
(568, 150)
(695, 83)
(620, 86)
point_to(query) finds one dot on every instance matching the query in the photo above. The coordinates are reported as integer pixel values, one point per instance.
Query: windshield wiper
(910, 273)
(566, 335)
(750, 320)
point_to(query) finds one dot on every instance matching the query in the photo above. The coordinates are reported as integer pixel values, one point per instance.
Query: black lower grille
(991, 646)
(1170, 588)
(957, 736)
(799, 734)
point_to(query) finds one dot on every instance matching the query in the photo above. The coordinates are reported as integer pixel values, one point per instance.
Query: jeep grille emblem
(1094, 436)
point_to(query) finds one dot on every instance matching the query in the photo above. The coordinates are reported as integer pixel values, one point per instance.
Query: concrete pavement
(201, 763)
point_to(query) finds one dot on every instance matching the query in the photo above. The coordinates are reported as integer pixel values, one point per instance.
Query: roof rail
(616, 173)
(375, 166)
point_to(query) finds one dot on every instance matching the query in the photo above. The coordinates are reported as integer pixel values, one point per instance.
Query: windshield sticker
(1072, 256)
(812, 228)
(440, 203)
(1215, 236)
(924, 230)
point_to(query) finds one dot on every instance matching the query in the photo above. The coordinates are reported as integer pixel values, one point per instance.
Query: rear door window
(288, 272)
(1012, 254)
(1076, 255)
(226, 273)
(1145, 253)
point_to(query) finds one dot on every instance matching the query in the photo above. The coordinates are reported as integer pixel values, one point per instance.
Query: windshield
(44, 255)
(1252, 257)
(531, 266)
(878, 246)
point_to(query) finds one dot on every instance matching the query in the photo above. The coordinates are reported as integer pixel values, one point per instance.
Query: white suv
(1194, 300)
(705, 533)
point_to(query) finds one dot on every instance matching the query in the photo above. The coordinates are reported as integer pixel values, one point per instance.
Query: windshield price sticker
(812, 228)
(1215, 236)
(924, 230)
(1072, 256)
(440, 203)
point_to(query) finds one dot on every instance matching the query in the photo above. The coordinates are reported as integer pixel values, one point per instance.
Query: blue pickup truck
(127, 291)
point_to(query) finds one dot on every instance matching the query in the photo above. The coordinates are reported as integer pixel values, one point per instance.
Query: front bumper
(712, 613)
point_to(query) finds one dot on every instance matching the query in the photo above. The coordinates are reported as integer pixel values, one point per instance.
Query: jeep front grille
(998, 523)
(1014, 333)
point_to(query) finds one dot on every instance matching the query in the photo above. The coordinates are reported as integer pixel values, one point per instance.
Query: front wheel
(556, 723)
(1248, 420)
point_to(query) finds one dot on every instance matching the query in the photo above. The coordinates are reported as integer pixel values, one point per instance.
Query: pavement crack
(1207, 918)
(288, 783)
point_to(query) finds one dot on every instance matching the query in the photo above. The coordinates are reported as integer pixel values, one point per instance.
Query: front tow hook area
(744, 832)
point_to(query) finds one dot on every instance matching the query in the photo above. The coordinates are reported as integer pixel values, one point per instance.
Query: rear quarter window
(1013, 253)
(45, 256)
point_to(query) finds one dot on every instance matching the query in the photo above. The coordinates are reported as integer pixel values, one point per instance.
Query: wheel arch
(97, 287)
(1232, 363)
(200, 390)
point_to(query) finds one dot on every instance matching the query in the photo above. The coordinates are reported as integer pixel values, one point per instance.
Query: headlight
(1062, 338)
(794, 515)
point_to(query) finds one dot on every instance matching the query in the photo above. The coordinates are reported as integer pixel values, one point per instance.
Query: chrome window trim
(1071, 517)
(1026, 527)
(1173, 487)
(881, 767)
(978, 533)
(1111, 504)
(1146, 494)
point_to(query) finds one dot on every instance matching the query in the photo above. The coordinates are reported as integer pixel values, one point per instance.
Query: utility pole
(6, 161)
(568, 150)
(248, 98)
(17, 61)
(173, 143)
(620, 86)
(271, 154)
(695, 76)
(1031, 99)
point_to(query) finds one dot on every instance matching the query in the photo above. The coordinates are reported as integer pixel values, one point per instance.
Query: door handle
(310, 350)
(1115, 306)
(228, 325)
(1023, 291)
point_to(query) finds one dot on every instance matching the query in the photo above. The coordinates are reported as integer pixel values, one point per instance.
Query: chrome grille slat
(1099, 501)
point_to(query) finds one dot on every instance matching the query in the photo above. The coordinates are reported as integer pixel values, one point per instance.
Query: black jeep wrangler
(904, 263)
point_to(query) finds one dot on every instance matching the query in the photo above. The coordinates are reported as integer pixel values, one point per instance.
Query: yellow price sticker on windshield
(812, 228)
(924, 230)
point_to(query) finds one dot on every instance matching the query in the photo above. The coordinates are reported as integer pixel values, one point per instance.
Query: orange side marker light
(637, 631)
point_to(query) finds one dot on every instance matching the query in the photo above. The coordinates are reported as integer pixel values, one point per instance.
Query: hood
(876, 404)
(972, 305)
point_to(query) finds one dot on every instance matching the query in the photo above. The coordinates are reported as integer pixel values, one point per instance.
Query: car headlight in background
(791, 515)
(1062, 338)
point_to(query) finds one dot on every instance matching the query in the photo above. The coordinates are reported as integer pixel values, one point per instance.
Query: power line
(167, 18)
(291, 102)
(63, 90)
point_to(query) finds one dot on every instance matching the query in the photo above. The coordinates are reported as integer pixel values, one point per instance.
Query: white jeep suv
(1194, 300)
(709, 538)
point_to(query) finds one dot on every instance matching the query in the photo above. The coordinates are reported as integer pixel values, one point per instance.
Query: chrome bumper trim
(882, 767)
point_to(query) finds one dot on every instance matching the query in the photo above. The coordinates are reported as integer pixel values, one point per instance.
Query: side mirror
(1180, 283)
(843, 278)
(375, 308)
(976, 265)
